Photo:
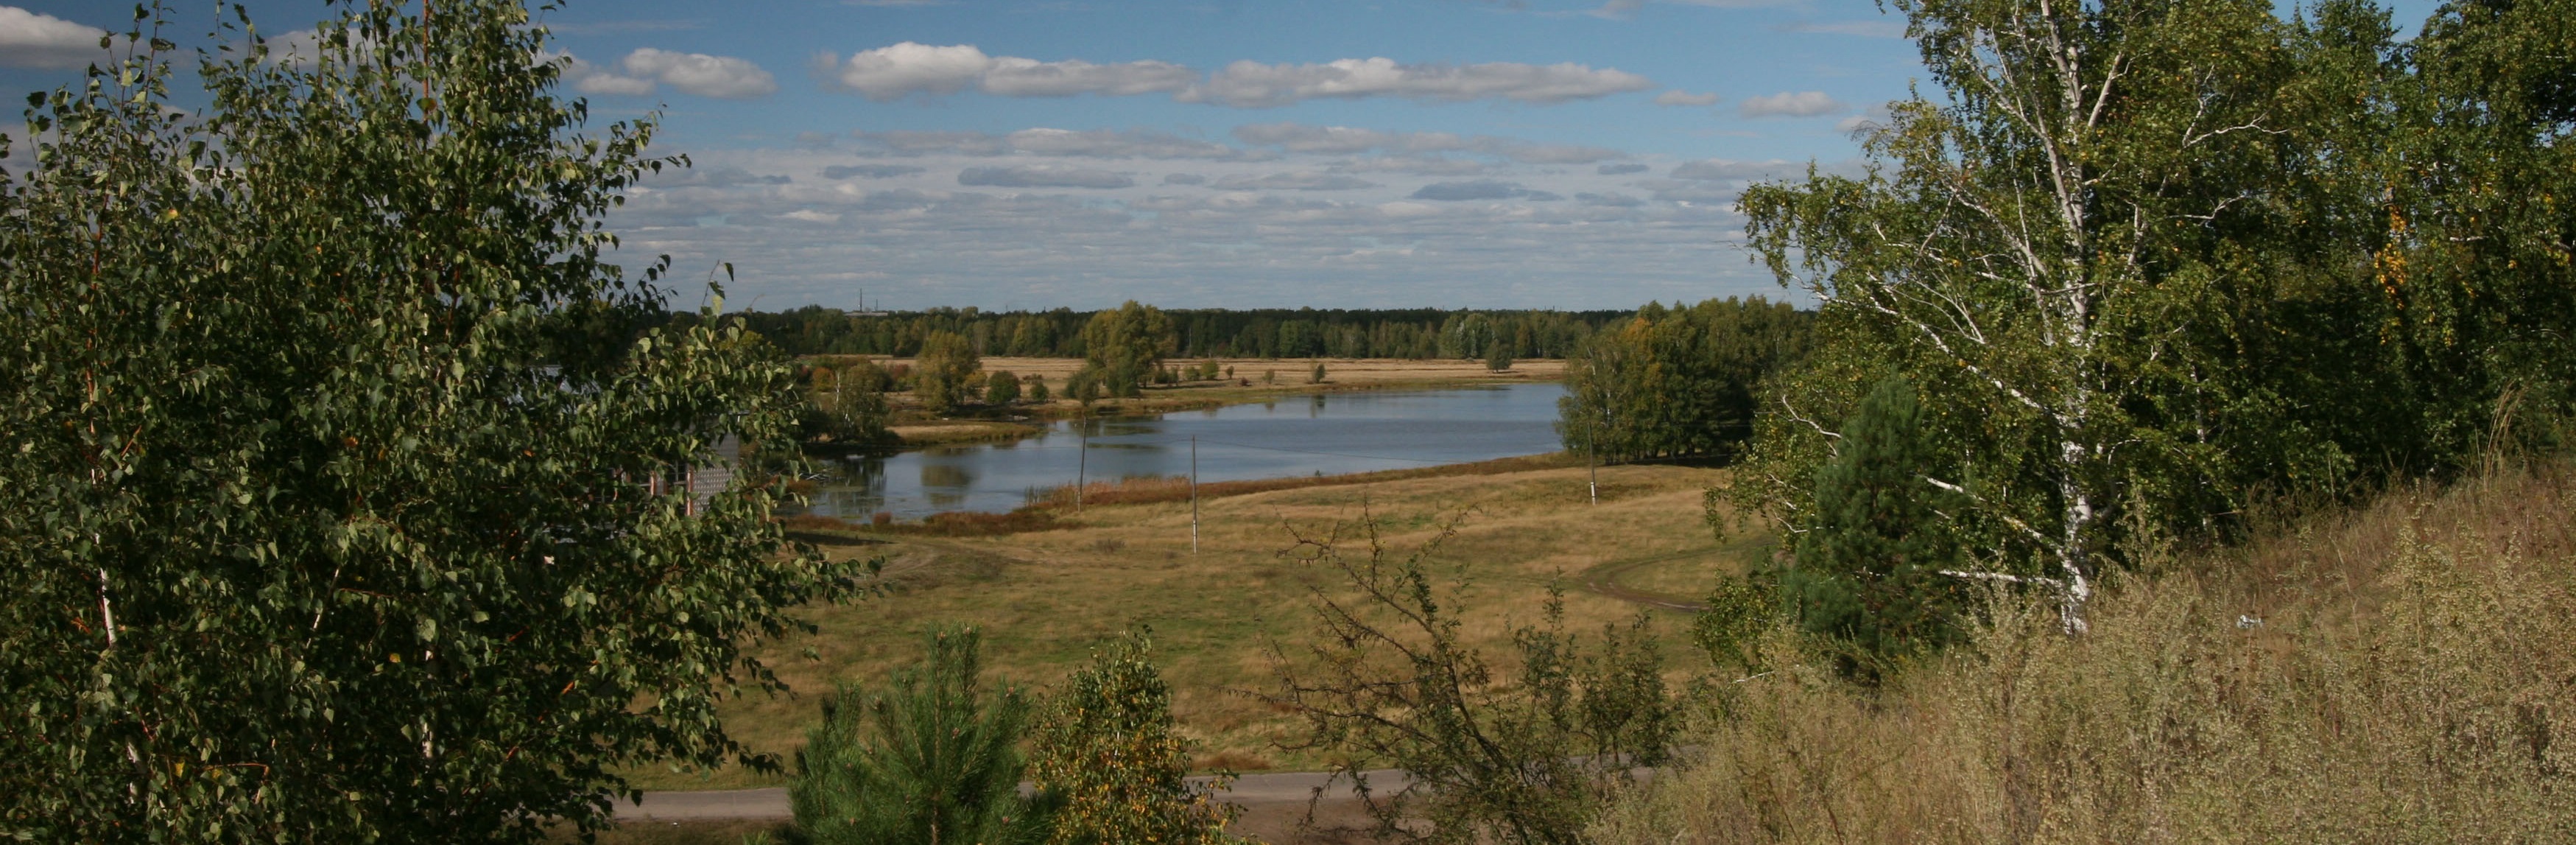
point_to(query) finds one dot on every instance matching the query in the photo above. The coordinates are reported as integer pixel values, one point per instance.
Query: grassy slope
(1043, 598)
(2412, 679)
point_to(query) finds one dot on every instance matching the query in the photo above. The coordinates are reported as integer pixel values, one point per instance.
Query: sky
(1030, 154)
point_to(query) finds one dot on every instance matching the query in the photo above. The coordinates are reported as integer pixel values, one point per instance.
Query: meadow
(1044, 597)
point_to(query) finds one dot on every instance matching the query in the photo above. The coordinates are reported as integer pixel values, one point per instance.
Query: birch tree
(2040, 239)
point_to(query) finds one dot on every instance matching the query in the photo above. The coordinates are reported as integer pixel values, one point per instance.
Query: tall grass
(2411, 678)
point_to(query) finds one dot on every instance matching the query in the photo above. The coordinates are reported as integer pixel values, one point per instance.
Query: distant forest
(1421, 333)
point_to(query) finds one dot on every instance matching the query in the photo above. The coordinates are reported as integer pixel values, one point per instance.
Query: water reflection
(1353, 432)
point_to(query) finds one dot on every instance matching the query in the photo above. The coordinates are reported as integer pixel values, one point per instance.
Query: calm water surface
(1326, 434)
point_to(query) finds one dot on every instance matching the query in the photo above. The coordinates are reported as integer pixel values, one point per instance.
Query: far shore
(1253, 380)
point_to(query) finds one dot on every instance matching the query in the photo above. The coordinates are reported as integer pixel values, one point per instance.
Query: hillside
(2398, 672)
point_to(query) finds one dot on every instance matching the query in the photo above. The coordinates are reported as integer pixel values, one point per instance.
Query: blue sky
(1042, 153)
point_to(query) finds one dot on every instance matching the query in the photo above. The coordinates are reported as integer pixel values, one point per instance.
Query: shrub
(1001, 388)
(1523, 757)
(1107, 747)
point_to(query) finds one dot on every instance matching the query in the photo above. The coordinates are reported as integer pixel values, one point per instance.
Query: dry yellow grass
(2402, 672)
(1043, 598)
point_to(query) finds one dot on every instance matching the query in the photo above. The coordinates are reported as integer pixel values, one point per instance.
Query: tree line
(1415, 333)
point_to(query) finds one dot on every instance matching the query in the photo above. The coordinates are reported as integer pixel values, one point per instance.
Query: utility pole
(1082, 458)
(1194, 494)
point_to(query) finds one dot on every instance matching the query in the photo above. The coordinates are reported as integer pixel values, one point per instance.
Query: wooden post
(1194, 494)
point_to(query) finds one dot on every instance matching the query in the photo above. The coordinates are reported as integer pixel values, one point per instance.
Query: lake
(1327, 434)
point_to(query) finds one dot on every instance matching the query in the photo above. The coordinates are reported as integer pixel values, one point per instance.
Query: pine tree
(932, 759)
(1867, 572)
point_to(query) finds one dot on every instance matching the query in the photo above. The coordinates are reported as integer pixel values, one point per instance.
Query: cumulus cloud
(1111, 143)
(29, 39)
(1305, 181)
(908, 68)
(869, 171)
(1481, 189)
(1679, 97)
(1302, 138)
(1417, 165)
(1043, 177)
(930, 239)
(715, 177)
(1066, 143)
(1791, 104)
(1249, 84)
(1011, 76)
(1620, 169)
(645, 70)
(894, 72)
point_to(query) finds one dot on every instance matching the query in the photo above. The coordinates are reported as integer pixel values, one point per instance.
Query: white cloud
(1788, 104)
(1620, 169)
(1481, 189)
(1066, 143)
(1303, 138)
(1416, 165)
(892, 73)
(1037, 232)
(723, 77)
(908, 68)
(1248, 84)
(1011, 76)
(642, 72)
(1302, 181)
(869, 171)
(1043, 177)
(1679, 97)
(1111, 143)
(28, 39)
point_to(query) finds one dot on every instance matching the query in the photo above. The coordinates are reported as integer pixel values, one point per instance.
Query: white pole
(1592, 459)
(1194, 494)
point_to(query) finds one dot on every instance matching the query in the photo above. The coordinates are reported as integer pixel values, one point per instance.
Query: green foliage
(1001, 388)
(1867, 569)
(1676, 381)
(1730, 629)
(932, 759)
(1317, 377)
(1122, 349)
(2124, 254)
(1523, 757)
(1107, 747)
(1037, 389)
(847, 405)
(330, 496)
(943, 374)
(1498, 357)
